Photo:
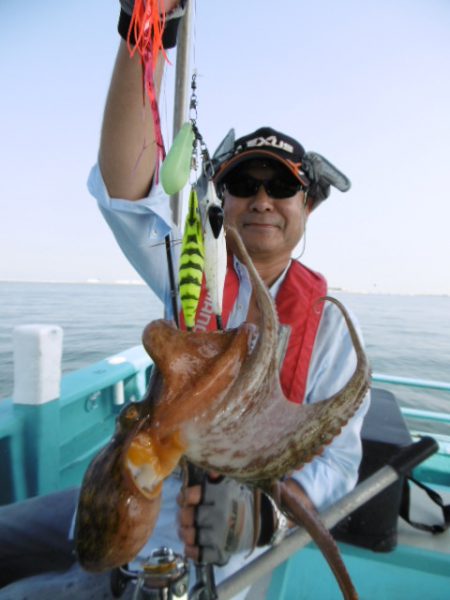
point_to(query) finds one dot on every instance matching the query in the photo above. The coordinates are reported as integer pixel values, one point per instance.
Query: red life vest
(296, 307)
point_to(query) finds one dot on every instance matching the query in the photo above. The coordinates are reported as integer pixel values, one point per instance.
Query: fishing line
(169, 243)
(163, 93)
(194, 35)
(174, 243)
(303, 240)
(172, 282)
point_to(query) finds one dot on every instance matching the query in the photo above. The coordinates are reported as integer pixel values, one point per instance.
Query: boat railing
(54, 424)
(425, 384)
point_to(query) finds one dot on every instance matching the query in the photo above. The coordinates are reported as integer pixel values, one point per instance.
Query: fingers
(192, 552)
(187, 535)
(188, 499)
(189, 496)
(186, 516)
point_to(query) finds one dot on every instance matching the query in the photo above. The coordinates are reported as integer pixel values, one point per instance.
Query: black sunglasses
(246, 186)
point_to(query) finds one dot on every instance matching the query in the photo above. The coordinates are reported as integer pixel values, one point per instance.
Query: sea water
(406, 336)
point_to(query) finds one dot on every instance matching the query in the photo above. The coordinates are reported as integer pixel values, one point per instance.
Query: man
(269, 187)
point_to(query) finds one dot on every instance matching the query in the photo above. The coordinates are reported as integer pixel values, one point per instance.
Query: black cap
(265, 143)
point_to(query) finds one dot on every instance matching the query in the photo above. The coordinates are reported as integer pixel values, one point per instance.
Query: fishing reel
(163, 576)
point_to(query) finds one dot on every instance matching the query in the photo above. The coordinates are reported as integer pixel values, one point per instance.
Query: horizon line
(140, 282)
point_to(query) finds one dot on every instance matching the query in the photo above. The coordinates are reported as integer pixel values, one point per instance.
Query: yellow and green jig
(191, 262)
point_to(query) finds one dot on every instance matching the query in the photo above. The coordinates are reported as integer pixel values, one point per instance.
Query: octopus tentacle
(292, 506)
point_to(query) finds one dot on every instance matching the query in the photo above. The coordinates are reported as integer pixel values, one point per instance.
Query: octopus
(214, 399)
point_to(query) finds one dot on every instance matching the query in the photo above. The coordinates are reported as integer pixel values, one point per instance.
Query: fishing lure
(215, 250)
(191, 262)
(176, 167)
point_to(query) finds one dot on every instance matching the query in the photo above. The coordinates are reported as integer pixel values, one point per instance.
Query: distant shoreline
(79, 282)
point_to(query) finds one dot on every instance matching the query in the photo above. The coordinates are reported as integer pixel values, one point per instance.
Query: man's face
(270, 227)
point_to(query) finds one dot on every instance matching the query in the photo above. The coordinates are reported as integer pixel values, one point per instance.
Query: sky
(366, 84)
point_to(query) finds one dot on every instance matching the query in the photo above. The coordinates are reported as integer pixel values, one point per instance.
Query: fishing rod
(165, 573)
(182, 83)
(204, 588)
(179, 112)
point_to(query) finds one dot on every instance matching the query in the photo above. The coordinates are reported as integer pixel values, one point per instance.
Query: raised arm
(127, 153)
(127, 148)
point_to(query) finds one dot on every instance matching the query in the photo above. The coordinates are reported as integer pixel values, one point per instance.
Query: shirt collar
(242, 274)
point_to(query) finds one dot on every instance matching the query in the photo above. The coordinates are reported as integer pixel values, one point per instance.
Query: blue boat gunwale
(86, 412)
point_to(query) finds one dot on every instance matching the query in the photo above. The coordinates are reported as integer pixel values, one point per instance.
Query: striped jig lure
(192, 261)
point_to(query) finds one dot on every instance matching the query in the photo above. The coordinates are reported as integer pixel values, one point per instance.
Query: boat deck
(418, 565)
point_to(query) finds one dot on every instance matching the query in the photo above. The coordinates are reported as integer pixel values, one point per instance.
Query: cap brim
(249, 154)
